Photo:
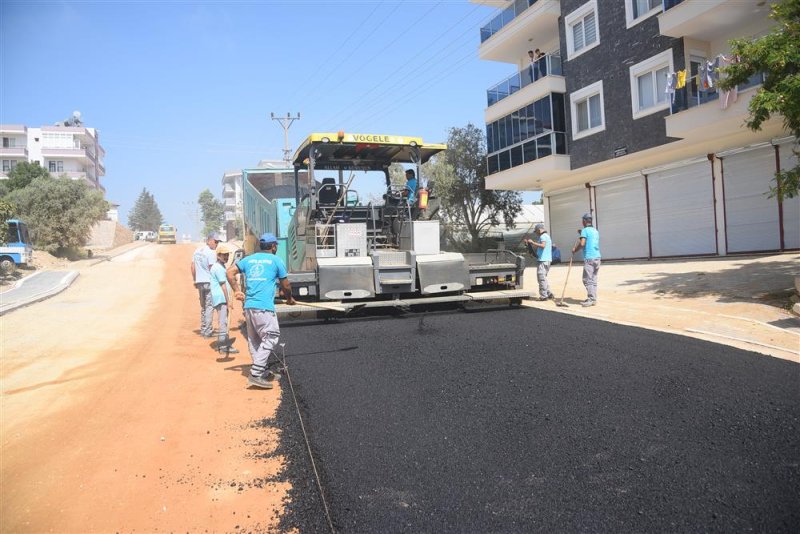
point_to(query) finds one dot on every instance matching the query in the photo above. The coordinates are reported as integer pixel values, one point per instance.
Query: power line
(438, 57)
(352, 33)
(318, 84)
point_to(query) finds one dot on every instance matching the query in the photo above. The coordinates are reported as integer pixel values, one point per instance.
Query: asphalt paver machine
(385, 251)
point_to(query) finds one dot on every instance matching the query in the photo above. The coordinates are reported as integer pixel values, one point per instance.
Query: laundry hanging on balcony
(726, 98)
(671, 82)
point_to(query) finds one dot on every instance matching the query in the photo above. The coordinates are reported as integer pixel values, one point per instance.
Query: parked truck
(342, 246)
(17, 250)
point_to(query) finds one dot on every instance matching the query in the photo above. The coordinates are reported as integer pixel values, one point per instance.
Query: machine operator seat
(327, 194)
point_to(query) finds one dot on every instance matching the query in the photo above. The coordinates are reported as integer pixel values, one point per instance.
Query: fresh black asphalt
(522, 420)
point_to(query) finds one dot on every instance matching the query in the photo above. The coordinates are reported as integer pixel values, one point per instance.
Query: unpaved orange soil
(117, 417)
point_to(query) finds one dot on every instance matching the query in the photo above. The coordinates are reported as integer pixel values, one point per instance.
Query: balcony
(57, 153)
(549, 65)
(230, 202)
(525, 25)
(699, 115)
(712, 20)
(228, 191)
(20, 152)
(13, 129)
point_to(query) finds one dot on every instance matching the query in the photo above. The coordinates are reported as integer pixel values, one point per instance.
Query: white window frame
(630, 21)
(659, 61)
(576, 16)
(582, 95)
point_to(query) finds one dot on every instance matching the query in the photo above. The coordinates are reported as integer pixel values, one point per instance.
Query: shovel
(560, 302)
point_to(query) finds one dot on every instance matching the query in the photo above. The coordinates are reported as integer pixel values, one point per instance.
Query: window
(56, 166)
(587, 110)
(9, 142)
(649, 84)
(582, 30)
(638, 10)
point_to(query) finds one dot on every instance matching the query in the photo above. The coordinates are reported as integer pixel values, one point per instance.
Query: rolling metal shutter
(621, 218)
(791, 206)
(751, 218)
(566, 210)
(682, 210)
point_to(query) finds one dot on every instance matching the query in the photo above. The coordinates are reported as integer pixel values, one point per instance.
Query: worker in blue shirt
(410, 191)
(262, 271)
(590, 243)
(542, 248)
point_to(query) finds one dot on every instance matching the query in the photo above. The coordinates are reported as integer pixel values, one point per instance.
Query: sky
(181, 92)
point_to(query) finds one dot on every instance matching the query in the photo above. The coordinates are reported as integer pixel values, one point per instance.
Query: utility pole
(286, 122)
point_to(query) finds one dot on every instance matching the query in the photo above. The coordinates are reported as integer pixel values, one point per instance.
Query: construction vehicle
(339, 246)
(167, 234)
(17, 250)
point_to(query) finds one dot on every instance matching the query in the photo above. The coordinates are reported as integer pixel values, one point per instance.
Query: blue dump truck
(17, 249)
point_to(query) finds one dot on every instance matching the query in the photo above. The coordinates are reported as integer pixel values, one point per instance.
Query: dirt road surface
(118, 417)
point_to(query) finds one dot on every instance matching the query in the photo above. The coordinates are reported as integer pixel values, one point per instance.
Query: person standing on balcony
(536, 66)
(590, 243)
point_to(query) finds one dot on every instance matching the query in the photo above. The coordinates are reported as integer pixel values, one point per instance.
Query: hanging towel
(680, 82)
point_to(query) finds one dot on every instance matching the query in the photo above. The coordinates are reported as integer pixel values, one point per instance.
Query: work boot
(270, 376)
(258, 382)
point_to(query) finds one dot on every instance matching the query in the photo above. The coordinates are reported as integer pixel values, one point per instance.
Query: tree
(777, 55)
(24, 173)
(459, 182)
(145, 215)
(7, 211)
(59, 212)
(212, 210)
(397, 175)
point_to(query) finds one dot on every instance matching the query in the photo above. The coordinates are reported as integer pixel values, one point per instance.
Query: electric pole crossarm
(286, 123)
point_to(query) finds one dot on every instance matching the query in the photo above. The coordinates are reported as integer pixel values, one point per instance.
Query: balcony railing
(548, 65)
(689, 96)
(508, 14)
(669, 4)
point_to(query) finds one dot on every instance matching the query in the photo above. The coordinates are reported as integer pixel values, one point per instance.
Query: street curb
(58, 288)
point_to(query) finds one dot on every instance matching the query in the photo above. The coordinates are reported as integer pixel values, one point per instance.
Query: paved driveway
(529, 420)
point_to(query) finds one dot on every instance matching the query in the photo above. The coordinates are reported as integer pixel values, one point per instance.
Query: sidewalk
(44, 283)
(736, 301)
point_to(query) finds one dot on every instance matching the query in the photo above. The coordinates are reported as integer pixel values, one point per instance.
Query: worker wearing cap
(222, 299)
(202, 260)
(542, 248)
(262, 271)
(590, 243)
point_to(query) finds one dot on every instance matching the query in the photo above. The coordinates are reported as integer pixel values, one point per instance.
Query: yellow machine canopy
(368, 152)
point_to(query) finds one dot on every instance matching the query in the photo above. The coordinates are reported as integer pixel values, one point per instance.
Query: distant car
(167, 234)
(150, 236)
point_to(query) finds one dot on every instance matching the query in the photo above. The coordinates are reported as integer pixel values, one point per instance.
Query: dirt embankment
(118, 417)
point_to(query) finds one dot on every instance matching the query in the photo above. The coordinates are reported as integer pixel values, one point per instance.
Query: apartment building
(73, 151)
(595, 125)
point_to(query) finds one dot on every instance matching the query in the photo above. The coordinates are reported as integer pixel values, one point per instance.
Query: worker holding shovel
(542, 248)
(222, 299)
(589, 241)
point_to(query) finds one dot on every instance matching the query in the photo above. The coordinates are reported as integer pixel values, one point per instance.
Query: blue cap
(587, 217)
(539, 226)
(214, 236)
(269, 237)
